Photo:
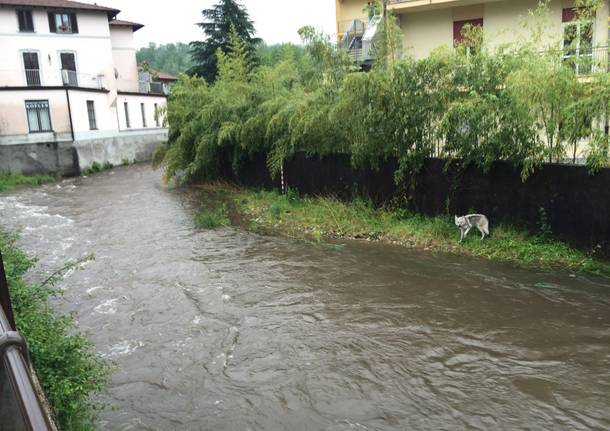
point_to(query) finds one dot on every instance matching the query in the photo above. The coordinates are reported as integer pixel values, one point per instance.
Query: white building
(70, 89)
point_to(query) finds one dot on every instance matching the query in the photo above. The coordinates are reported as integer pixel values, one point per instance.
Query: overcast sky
(275, 20)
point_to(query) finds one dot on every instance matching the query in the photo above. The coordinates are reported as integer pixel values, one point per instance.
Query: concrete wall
(124, 57)
(70, 158)
(135, 113)
(55, 158)
(129, 146)
(348, 10)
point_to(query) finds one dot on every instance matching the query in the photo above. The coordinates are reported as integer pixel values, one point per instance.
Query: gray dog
(467, 222)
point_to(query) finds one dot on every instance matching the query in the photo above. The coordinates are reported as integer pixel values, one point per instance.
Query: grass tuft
(10, 182)
(212, 218)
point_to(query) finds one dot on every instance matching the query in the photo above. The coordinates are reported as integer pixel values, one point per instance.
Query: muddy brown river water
(227, 330)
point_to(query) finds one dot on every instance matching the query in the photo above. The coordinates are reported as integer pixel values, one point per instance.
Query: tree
(170, 58)
(216, 25)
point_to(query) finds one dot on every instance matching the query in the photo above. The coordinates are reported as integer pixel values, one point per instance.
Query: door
(68, 69)
(32, 69)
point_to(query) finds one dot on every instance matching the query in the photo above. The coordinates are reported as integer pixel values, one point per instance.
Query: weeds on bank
(212, 218)
(10, 182)
(69, 371)
(96, 167)
(319, 218)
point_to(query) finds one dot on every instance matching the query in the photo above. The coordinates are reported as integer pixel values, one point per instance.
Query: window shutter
(458, 29)
(29, 20)
(73, 23)
(52, 27)
(568, 14)
(21, 18)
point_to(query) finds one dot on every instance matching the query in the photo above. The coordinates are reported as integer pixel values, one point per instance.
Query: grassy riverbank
(68, 370)
(321, 218)
(10, 182)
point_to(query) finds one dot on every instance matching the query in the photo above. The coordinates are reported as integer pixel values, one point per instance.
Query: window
(143, 114)
(63, 22)
(460, 32)
(91, 114)
(68, 69)
(127, 123)
(39, 119)
(32, 69)
(26, 24)
(577, 41)
(156, 115)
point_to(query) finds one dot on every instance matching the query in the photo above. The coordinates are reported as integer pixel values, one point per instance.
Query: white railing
(142, 87)
(50, 78)
(72, 78)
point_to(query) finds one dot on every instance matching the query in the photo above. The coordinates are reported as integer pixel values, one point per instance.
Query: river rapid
(228, 330)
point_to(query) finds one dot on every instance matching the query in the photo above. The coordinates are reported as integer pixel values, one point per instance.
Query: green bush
(69, 371)
(473, 104)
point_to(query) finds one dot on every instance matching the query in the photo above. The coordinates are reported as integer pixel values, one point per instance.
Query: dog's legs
(482, 234)
(466, 233)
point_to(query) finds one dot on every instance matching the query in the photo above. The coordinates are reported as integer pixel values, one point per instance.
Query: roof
(119, 22)
(61, 4)
(162, 76)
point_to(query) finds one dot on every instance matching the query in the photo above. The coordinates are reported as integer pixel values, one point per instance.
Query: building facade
(428, 24)
(70, 89)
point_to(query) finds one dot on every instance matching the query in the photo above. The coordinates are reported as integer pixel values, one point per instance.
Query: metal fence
(20, 402)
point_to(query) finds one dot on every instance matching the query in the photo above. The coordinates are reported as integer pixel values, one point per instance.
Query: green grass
(10, 182)
(96, 167)
(212, 218)
(67, 368)
(320, 218)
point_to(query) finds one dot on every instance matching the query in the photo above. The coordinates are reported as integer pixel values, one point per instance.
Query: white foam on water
(123, 348)
(94, 289)
(107, 307)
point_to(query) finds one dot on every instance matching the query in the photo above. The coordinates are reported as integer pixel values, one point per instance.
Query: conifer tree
(216, 25)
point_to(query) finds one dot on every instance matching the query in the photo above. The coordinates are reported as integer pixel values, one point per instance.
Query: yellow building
(428, 24)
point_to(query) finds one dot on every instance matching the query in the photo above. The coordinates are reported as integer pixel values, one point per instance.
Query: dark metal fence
(20, 402)
(575, 204)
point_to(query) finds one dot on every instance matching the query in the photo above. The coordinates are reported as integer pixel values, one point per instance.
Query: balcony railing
(588, 62)
(71, 78)
(20, 404)
(32, 77)
(151, 87)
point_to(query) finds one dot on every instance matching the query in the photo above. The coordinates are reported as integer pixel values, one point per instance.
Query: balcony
(142, 86)
(50, 78)
(71, 78)
(589, 62)
(32, 77)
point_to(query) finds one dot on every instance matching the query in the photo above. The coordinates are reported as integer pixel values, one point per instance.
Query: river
(228, 330)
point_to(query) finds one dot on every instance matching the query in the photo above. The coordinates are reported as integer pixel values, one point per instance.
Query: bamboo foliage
(471, 105)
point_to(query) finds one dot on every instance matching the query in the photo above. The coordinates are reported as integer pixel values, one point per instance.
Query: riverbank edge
(10, 182)
(325, 218)
(69, 371)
